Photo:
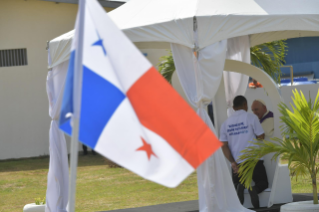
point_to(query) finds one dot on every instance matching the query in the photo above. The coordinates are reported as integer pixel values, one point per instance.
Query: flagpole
(77, 90)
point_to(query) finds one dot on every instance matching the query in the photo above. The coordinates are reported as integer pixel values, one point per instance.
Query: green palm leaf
(166, 67)
(269, 57)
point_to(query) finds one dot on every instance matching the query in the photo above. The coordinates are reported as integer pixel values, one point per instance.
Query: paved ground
(192, 206)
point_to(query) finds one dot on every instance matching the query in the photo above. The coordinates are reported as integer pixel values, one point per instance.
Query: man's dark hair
(239, 101)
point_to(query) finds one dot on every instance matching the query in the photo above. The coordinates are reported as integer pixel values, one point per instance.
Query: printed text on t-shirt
(236, 129)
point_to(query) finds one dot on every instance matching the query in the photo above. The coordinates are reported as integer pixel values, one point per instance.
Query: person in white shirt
(235, 133)
(265, 116)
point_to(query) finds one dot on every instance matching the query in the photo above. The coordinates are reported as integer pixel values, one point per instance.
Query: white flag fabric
(128, 112)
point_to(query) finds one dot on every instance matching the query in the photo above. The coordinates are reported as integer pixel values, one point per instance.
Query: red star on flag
(147, 148)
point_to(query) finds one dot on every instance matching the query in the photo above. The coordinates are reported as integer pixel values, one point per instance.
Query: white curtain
(58, 175)
(236, 84)
(200, 79)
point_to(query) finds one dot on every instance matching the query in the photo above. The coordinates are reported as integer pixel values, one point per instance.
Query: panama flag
(128, 112)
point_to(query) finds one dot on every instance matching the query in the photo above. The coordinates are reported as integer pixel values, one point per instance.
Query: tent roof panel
(156, 23)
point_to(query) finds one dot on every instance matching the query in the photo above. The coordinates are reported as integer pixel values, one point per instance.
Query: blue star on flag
(100, 43)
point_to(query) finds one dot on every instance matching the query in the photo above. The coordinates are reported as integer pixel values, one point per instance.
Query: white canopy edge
(60, 47)
(261, 38)
(255, 39)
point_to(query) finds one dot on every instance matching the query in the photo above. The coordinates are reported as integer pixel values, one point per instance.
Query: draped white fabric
(58, 175)
(236, 84)
(200, 79)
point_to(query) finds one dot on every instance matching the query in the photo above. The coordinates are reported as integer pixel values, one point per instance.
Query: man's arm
(229, 156)
(258, 129)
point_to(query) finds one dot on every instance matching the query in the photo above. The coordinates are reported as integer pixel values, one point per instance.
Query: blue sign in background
(303, 55)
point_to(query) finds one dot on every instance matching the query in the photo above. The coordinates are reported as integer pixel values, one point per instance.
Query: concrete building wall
(154, 55)
(24, 119)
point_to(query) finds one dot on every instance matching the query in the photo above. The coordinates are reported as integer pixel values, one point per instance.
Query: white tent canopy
(216, 30)
(155, 24)
(172, 21)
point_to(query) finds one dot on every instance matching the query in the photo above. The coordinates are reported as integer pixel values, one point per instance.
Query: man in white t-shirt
(235, 133)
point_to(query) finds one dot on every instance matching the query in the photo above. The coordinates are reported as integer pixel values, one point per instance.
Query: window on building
(13, 57)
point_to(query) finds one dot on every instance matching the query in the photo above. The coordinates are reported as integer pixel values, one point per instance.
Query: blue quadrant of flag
(99, 101)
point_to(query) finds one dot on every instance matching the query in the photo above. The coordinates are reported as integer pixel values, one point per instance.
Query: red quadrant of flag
(156, 102)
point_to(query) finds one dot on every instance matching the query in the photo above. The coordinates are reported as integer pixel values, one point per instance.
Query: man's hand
(229, 156)
(234, 166)
(261, 137)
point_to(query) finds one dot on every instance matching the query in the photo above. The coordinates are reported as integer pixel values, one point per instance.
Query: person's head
(255, 81)
(240, 103)
(259, 108)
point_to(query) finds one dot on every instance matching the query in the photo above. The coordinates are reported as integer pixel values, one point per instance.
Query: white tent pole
(77, 89)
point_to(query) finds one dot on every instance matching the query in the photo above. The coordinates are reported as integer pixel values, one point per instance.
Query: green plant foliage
(299, 145)
(268, 57)
(39, 201)
(166, 67)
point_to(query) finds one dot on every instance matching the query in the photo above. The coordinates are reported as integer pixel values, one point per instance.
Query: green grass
(99, 187)
(301, 185)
